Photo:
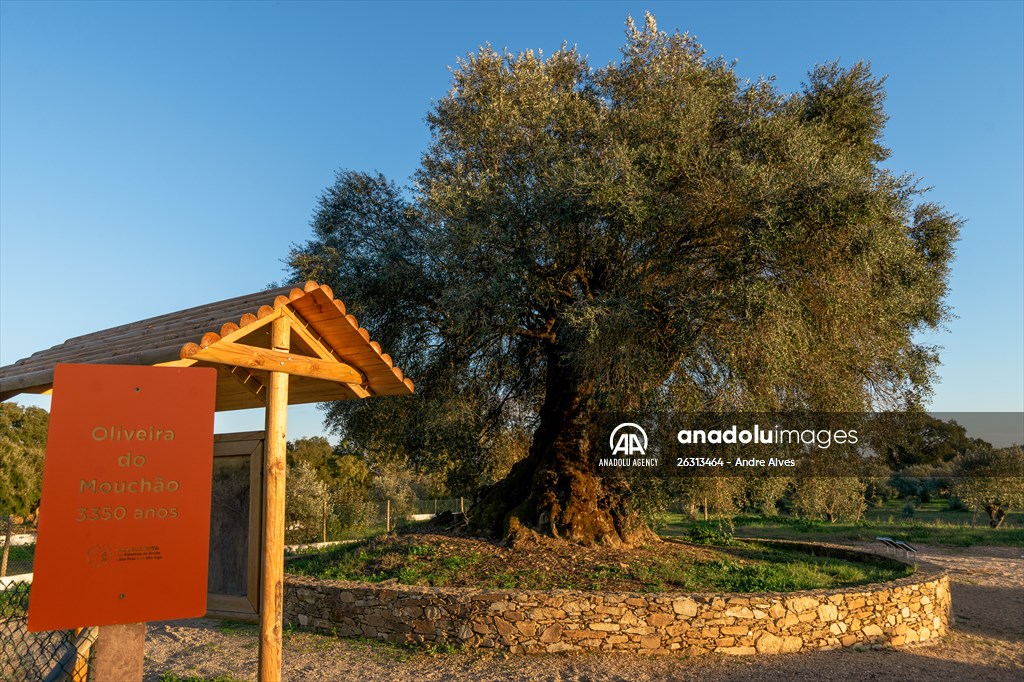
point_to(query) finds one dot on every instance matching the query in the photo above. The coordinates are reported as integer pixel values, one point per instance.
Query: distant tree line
(920, 459)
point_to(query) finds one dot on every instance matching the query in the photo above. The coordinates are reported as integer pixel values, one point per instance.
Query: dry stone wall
(904, 611)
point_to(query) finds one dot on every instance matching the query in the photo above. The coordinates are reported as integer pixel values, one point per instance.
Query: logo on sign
(628, 439)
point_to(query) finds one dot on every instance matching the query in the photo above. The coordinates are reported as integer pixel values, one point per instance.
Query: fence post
(462, 507)
(325, 520)
(387, 518)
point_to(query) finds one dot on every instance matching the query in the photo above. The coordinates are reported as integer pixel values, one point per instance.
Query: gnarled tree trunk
(557, 490)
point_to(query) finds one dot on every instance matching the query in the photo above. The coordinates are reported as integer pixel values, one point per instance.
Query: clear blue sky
(159, 156)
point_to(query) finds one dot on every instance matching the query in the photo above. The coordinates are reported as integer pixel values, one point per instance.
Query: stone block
(527, 627)
(828, 612)
(551, 634)
(581, 634)
(505, 629)
(736, 650)
(801, 604)
(872, 631)
(660, 619)
(685, 607)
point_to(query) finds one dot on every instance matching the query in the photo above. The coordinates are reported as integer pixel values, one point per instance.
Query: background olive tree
(22, 447)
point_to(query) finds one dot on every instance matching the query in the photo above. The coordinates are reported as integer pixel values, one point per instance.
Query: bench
(897, 545)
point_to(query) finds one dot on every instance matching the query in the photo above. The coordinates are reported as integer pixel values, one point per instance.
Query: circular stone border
(903, 611)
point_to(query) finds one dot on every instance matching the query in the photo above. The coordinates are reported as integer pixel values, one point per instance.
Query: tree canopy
(653, 233)
(23, 433)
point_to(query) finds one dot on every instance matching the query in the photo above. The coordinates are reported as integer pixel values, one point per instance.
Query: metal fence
(37, 656)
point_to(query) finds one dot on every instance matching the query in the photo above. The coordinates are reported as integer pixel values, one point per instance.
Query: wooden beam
(272, 587)
(310, 336)
(359, 391)
(228, 353)
(252, 382)
(317, 343)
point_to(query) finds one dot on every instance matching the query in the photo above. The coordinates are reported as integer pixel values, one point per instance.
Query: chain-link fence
(25, 656)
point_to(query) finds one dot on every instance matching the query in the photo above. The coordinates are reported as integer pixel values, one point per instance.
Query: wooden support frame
(240, 355)
(272, 585)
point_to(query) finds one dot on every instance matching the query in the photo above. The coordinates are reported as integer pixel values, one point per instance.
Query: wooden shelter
(271, 349)
(331, 356)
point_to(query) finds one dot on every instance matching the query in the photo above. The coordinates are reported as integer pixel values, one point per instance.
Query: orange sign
(124, 521)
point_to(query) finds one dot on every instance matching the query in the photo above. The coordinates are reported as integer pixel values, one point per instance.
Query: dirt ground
(986, 643)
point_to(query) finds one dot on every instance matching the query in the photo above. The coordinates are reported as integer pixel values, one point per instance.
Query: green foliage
(706, 534)
(931, 524)
(14, 600)
(27, 426)
(763, 493)
(993, 481)
(307, 504)
(411, 565)
(654, 233)
(21, 477)
(22, 447)
(918, 441)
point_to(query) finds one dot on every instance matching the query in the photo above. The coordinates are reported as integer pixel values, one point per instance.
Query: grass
(740, 567)
(168, 676)
(235, 627)
(411, 565)
(932, 523)
(753, 567)
(14, 600)
(20, 558)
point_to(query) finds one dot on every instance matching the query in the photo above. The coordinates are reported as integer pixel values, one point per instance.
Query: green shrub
(706, 534)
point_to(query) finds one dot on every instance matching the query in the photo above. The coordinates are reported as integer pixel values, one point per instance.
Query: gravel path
(986, 643)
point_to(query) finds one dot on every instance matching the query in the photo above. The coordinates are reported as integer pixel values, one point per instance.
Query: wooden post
(325, 520)
(272, 586)
(119, 653)
(462, 506)
(387, 517)
(80, 673)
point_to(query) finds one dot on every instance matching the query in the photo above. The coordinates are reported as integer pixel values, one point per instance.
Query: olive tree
(650, 234)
